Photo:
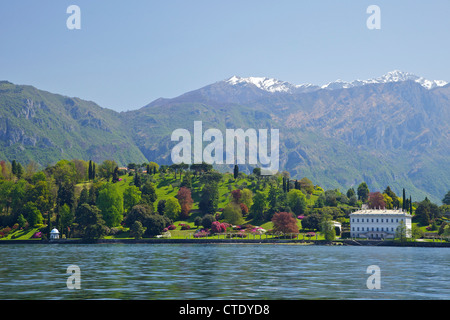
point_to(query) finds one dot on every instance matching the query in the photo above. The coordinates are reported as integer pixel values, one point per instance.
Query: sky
(129, 53)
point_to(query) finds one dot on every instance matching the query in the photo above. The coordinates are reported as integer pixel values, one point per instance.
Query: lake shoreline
(347, 242)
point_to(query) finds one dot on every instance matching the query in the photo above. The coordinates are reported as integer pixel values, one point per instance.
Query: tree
(258, 209)
(66, 194)
(272, 199)
(106, 169)
(172, 208)
(236, 196)
(139, 213)
(388, 201)
(327, 228)
(363, 192)
(131, 197)
(426, 212)
(32, 214)
(90, 175)
(311, 222)
(137, 230)
(115, 175)
(67, 217)
(376, 200)
(350, 193)
(21, 221)
(257, 172)
(395, 201)
(160, 207)
(306, 185)
(155, 224)
(404, 200)
(401, 232)
(209, 198)
(232, 213)
(110, 202)
(284, 222)
(207, 220)
(247, 197)
(297, 201)
(149, 192)
(90, 222)
(236, 172)
(185, 200)
(446, 199)
(137, 179)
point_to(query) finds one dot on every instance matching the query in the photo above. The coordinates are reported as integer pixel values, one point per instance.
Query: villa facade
(378, 224)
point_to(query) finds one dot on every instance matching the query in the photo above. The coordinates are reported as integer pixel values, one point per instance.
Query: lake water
(228, 271)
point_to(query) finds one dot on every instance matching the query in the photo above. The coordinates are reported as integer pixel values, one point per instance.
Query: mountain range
(393, 130)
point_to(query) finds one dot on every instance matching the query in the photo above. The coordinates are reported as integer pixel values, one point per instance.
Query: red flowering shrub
(218, 227)
(172, 227)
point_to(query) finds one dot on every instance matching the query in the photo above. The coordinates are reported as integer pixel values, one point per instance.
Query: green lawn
(21, 234)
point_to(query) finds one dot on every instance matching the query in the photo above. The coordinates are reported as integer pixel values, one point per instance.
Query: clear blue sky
(129, 53)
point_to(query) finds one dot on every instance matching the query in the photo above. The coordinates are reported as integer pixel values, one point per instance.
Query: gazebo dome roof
(54, 231)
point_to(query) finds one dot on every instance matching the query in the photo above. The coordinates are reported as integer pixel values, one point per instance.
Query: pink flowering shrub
(37, 235)
(310, 234)
(219, 227)
(241, 234)
(300, 217)
(172, 227)
(201, 233)
(185, 226)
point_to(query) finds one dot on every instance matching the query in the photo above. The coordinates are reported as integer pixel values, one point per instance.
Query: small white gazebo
(54, 234)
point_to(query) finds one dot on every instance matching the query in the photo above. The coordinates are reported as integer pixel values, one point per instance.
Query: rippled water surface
(145, 271)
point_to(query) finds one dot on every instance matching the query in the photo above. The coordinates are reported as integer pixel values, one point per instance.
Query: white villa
(378, 223)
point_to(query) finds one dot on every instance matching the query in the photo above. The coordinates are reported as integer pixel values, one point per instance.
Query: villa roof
(381, 211)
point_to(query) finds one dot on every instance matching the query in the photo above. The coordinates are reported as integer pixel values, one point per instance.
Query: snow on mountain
(268, 84)
(393, 76)
(273, 85)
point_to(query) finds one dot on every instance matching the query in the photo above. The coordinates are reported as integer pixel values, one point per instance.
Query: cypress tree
(148, 169)
(93, 170)
(404, 200)
(410, 205)
(14, 167)
(137, 180)
(288, 187)
(90, 170)
(236, 171)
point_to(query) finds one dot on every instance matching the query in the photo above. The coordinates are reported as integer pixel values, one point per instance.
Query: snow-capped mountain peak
(273, 85)
(392, 76)
(267, 84)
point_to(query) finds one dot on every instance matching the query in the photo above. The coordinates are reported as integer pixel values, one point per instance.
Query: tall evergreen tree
(404, 200)
(137, 180)
(94, 168)
(410, 205)
(90, 170)
(236, 171)
(14, 167)
(115, 176)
